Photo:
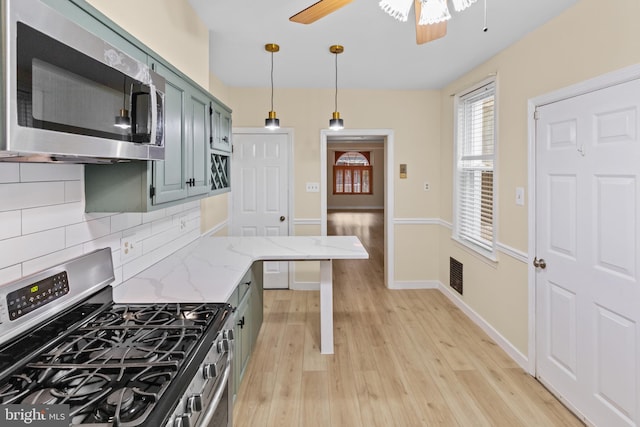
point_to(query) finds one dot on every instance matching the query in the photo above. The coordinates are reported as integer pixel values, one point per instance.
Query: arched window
(352, 173)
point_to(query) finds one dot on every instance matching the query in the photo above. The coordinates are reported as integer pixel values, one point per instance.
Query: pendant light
(272, 122)
(336, 123)
(122, 119)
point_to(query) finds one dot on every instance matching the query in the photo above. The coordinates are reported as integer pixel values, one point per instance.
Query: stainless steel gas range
(63, 341)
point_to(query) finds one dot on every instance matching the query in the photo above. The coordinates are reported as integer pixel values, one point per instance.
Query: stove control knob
(228, 334)
(194, 403)
(209, 371)
(182, 421)
(223, 346)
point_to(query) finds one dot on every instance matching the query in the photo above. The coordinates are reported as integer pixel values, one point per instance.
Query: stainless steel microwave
(69, 96)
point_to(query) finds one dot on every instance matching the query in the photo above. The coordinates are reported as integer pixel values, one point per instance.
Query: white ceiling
(380, 52)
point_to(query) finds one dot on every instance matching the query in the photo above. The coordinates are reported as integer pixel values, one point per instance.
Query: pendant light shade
(336, 123)
(272, 122)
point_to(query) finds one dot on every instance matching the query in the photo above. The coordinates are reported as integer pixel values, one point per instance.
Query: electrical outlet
(128, 248)
(427, 187)
(313, 187)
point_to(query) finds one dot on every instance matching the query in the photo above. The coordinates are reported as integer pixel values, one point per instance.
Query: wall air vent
(455, 274)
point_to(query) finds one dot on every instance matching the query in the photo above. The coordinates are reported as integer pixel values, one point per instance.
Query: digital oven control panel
(31, 297)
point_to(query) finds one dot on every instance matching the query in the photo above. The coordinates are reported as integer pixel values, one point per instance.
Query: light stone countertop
(209, 269)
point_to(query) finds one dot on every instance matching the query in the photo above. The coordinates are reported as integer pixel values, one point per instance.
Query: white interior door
(588, 233)
(260, 202)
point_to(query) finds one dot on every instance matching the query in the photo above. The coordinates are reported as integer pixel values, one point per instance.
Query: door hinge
(536, 115)
(210, 140)
(152, 191)
(210, 110)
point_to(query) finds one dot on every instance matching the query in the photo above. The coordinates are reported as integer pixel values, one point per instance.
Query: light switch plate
(520, 196)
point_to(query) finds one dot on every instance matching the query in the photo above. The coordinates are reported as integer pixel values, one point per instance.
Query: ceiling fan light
(460, 5)
(434, 12)
(399, 9)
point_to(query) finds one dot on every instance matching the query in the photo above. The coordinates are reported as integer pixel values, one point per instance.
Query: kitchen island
(211, 268)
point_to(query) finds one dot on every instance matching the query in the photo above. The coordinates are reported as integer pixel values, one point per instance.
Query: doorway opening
(371, 208)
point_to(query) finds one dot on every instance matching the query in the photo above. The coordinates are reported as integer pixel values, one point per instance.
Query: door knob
(282, 218)
(539, 263)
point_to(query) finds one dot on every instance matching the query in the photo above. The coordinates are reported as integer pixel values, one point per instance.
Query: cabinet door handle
(225, 139)
(241, 323)
(248, 283)
(191, 182)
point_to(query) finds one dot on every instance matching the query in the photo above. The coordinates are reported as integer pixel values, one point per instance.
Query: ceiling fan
(424, 33)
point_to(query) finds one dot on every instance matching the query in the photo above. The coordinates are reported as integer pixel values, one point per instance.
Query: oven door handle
(222, 385)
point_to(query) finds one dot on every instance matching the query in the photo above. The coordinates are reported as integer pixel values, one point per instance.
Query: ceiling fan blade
(427, 33)
(318, 10)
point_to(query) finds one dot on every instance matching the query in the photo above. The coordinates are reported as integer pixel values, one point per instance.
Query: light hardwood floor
(402, 358)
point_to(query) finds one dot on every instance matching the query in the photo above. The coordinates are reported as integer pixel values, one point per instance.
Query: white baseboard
(305, 286)
(415, 284)
(502, 342)
(354, 208)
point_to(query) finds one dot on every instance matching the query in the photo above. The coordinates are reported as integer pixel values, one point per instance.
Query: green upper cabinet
(170, 179)
(221, 128)
(198, 139)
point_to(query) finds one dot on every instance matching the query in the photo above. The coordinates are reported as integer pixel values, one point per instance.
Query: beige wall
(585, 41)
(413, 115)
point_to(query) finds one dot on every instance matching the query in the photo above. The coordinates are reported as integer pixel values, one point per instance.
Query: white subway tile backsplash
(172, 210)
(73, 191)
(9, 172)
(37, 172)
(30, 195)
(10, 224)
(86, 231)
(41, 263)
(153, 215)
(139, 233)
(162, 225)
(110, 240)
(23, 248)
(10, 274)
(48, 217)
(195, 205)
(43, 223)
(123, 221)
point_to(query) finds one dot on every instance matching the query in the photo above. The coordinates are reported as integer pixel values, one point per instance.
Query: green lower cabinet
(242, 340)
(248, 320)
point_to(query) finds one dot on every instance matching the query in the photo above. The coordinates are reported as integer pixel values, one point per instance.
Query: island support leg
(326, 308)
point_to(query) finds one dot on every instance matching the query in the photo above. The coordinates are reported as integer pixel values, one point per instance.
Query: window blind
(475, 167)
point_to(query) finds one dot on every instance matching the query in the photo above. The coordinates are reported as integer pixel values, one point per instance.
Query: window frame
(490, 250)
(352, 169)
